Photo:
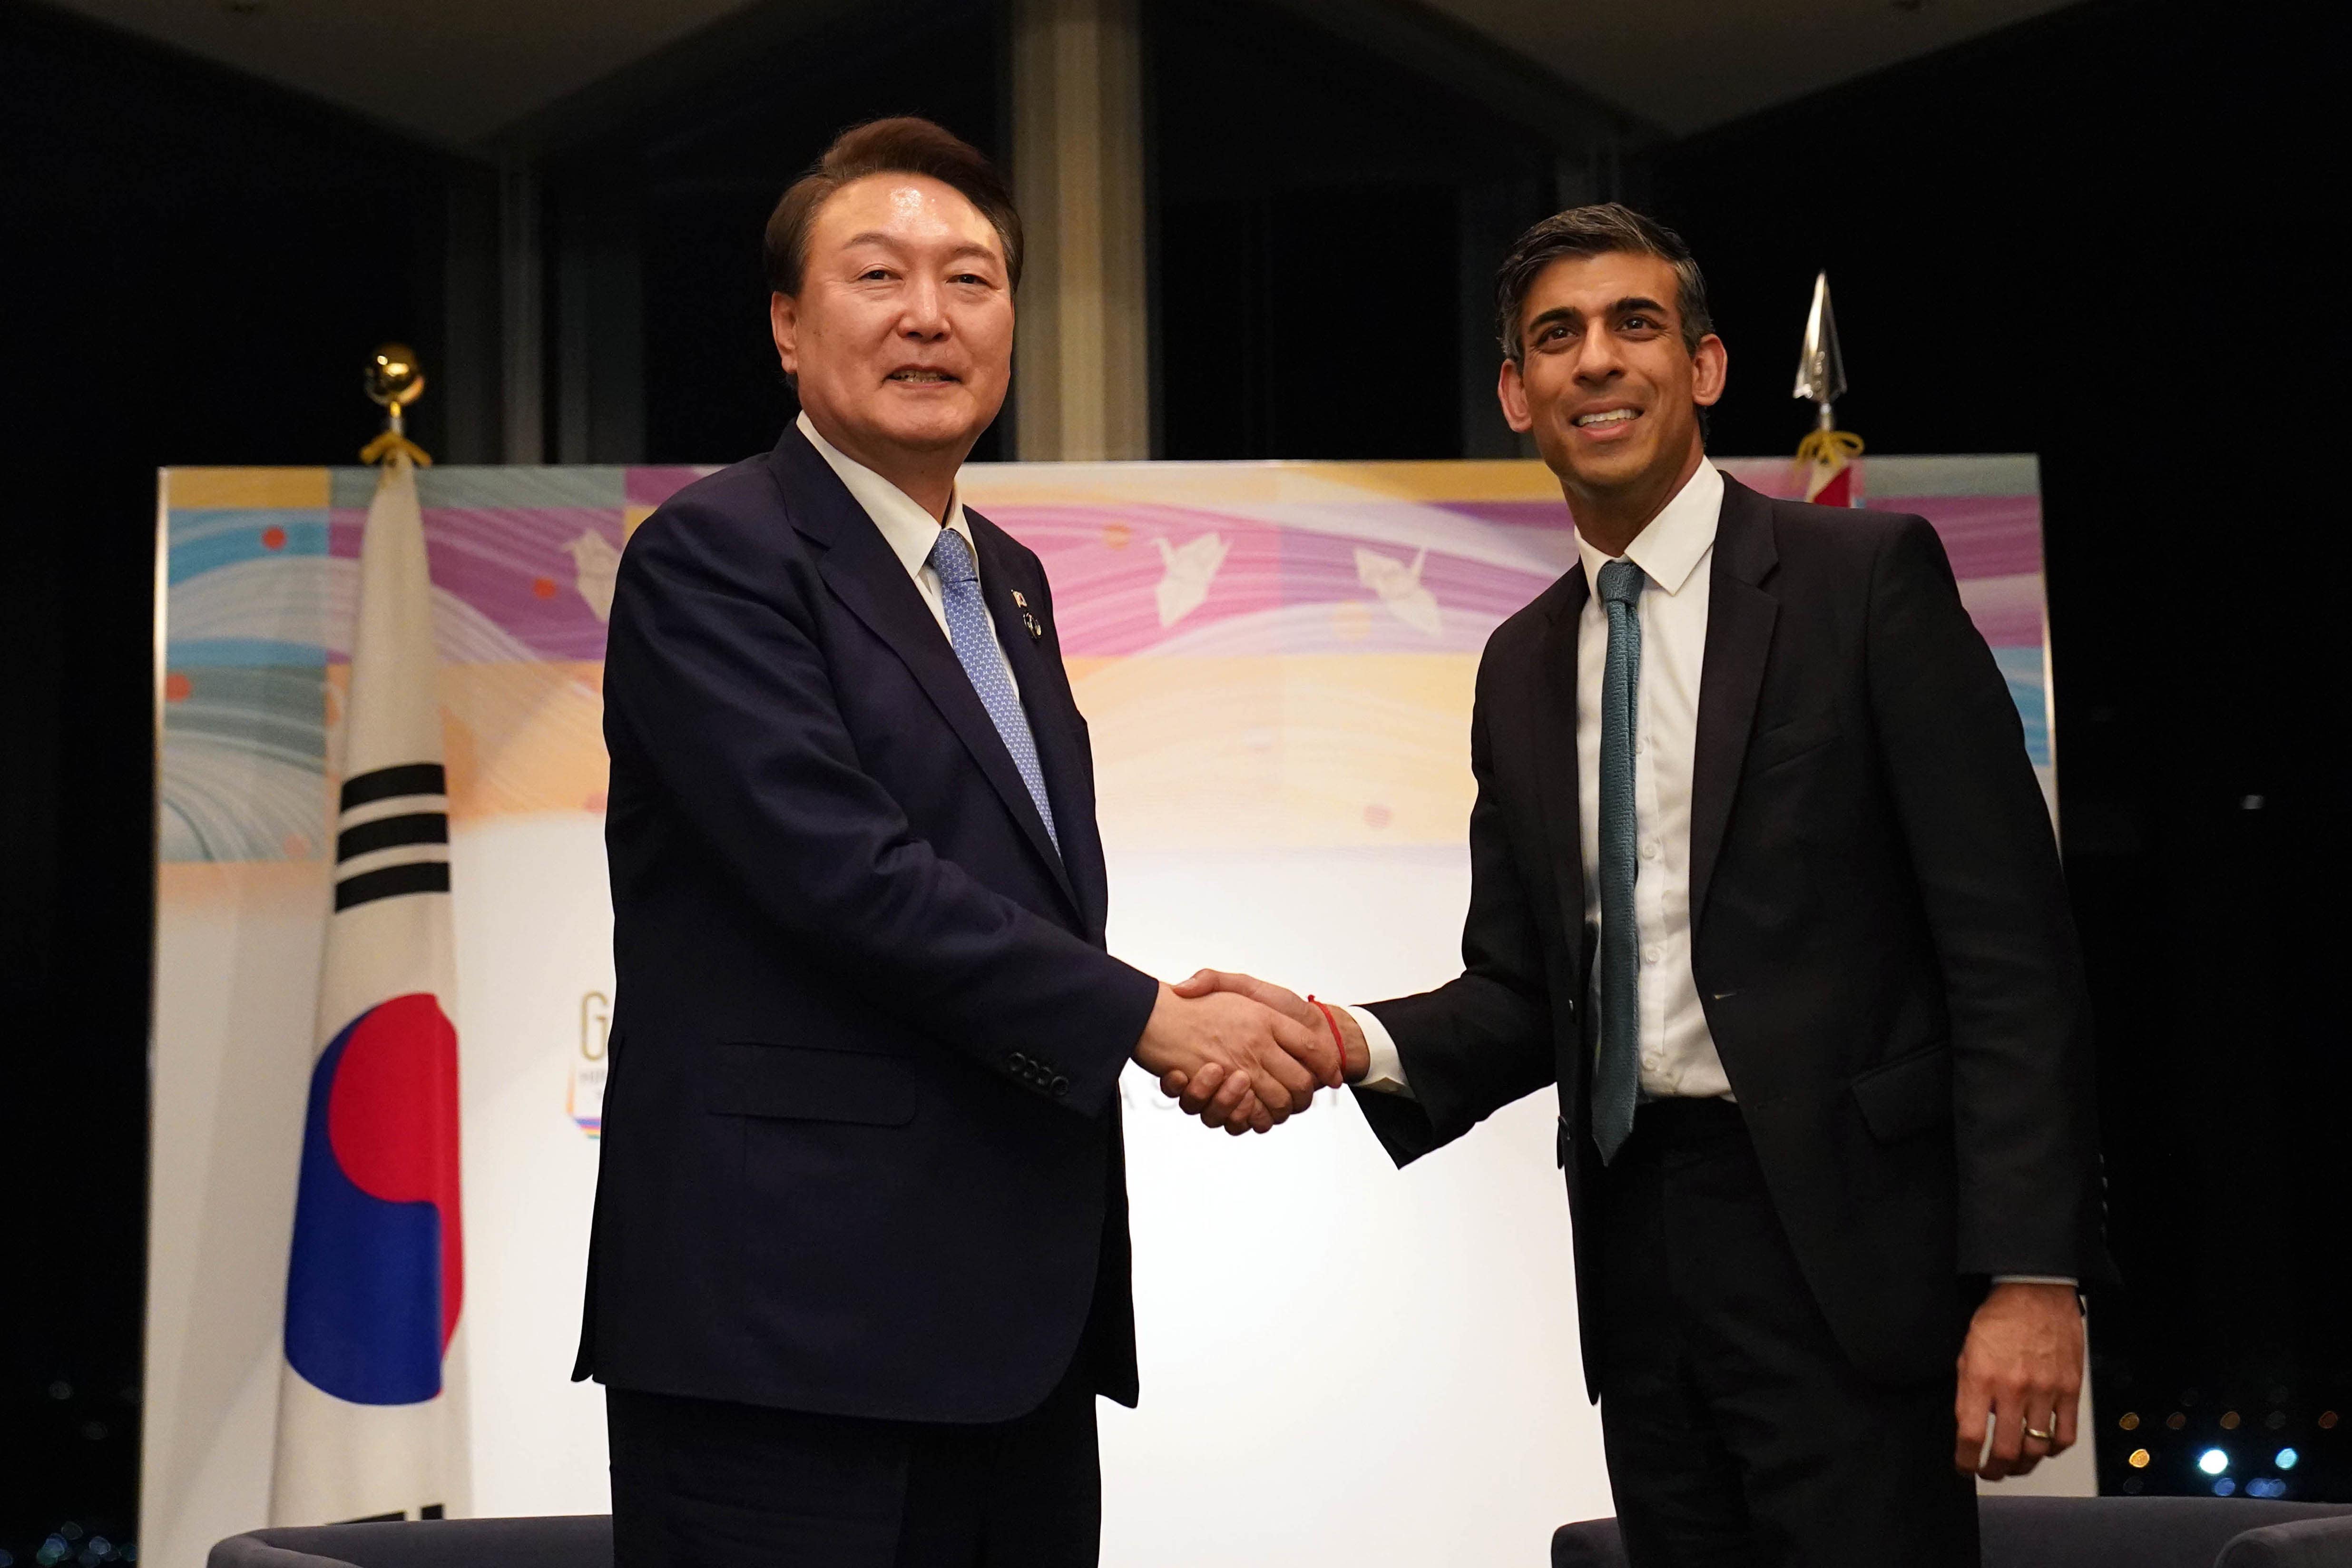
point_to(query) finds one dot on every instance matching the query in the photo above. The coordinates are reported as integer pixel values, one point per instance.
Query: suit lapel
(1739, 619)
(859, 566)
(1043, 695)
(1556, 756)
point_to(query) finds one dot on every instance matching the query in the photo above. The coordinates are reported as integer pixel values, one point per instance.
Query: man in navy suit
(859, 1263)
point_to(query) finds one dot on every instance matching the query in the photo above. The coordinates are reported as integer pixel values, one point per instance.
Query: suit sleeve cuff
(2072, 1284)
(1386, 1073)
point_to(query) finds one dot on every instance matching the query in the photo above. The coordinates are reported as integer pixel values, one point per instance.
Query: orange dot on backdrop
(273, 538)
(543, 586)
(176, 687)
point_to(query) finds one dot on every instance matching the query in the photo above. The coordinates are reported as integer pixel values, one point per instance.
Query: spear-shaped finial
(1820, 369)
(1825, 458)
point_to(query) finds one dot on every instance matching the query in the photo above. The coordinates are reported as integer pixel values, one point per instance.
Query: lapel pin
(1035, 631)
(1019, 600)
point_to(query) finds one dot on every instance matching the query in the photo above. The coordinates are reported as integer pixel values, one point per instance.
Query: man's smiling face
(901, 336)
(1606, 382)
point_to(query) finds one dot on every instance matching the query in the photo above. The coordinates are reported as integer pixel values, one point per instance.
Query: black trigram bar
(384, 784)
(391, 832)
(417, 876)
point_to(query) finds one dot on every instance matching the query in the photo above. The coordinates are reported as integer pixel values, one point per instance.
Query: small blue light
(2266, 1486)
(2286, 1459)
(2224, 1487)
(2213, 1461)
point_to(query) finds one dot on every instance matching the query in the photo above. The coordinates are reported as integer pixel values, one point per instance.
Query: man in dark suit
(859, 1261)
(1763, 884)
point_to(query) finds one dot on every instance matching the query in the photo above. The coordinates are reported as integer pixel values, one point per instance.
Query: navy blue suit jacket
(861, 1148)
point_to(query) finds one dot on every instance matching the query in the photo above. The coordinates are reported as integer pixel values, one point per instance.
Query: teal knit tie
(1617, 1076)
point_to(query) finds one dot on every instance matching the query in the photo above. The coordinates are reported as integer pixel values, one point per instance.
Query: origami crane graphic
(595, 565)
(1192, 567)
(1399, 587)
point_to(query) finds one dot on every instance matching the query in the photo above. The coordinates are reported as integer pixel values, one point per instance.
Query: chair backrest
(568, 1540)
(2125, 1531)
(2101, 1533)
(2309, 1543)
(1590, 1543)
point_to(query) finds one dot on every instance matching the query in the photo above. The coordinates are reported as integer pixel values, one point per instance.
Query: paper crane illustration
(596, 565)
(1399, 587)
(1192, 567)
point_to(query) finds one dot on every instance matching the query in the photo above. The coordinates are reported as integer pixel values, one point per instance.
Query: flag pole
(371, 1395)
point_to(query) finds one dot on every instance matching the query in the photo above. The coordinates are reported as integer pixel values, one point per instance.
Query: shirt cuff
(1386, 1073)
(2037, 1280)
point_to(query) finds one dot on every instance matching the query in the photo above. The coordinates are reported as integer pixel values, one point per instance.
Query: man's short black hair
(1602, 229)
(904, 145)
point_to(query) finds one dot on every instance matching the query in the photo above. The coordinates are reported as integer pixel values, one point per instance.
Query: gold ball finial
(394, 379)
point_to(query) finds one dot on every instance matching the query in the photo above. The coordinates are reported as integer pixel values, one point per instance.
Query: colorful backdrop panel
(1276, 663)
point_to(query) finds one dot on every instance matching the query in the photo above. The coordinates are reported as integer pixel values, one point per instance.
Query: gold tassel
(391, 441)
(1828, 448)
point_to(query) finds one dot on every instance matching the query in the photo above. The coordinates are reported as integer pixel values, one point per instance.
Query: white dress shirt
(908, 530)
(1674, 551)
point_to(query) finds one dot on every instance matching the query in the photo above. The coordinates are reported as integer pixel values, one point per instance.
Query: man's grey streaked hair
(1602, 229)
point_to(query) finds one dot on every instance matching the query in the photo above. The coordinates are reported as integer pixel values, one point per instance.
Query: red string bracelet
(1336, 1038)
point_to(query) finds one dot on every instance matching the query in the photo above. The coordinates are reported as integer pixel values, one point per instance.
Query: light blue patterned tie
(984, 661)
(1617, 1076)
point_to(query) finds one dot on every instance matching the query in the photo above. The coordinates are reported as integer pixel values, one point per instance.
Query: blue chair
(569, 1540)
(2019, 1532)
(2100, 1533)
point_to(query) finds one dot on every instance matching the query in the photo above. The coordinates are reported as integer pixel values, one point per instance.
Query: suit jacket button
(1017, 1062)
(1061, 1086)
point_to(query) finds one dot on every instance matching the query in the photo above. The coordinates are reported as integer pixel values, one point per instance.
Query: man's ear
(1511, 391)
(1710, 371)
(784, 323)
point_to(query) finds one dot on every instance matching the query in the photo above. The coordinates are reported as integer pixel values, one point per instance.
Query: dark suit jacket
(1880, 935)
(861, 1141)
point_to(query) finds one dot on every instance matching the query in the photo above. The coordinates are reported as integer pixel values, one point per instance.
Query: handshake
(1245, 1056)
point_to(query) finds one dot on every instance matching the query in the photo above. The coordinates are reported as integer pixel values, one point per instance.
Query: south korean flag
(372, 1409)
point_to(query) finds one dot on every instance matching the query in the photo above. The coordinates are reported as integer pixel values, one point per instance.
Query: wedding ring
(2045, 1436)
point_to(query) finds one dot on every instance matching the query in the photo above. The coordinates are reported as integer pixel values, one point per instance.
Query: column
(521, 323)
(1081, 371)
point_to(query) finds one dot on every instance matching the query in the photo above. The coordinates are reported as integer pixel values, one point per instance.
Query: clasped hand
(1243, 1055)
(1232, 1060)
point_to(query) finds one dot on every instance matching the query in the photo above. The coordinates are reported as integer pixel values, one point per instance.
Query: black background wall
(192, 266)
(707, 170)
(2103, 237)
(1309, 206)
(2099, 238)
